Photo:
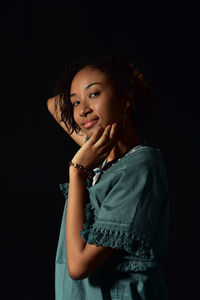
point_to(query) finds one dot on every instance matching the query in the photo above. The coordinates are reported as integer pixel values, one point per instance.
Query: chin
(89, 133)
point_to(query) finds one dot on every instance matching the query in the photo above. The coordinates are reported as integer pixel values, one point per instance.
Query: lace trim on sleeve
(128, 238)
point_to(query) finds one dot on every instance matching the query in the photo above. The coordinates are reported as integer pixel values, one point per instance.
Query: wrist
(77, 176)
(79, 169)
(73, 170)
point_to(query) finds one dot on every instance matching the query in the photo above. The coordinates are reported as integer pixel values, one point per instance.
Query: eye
(95, 94)
(75, 103)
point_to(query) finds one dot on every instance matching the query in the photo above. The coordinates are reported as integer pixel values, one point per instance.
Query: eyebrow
(87, 87)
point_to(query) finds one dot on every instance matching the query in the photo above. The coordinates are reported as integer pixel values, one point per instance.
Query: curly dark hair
(127, 80)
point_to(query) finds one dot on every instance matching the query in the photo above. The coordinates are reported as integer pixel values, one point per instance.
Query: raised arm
(78, 138)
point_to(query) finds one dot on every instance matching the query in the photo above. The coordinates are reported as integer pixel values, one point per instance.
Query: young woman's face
(94, 100)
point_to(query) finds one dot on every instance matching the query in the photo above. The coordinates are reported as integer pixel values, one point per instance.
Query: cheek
(110, 115)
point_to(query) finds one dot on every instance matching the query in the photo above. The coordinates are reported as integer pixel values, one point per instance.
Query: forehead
(86, 76)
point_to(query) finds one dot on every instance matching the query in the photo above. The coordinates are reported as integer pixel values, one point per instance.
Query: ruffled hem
(128, 238)
(132, 242)
(136, 266)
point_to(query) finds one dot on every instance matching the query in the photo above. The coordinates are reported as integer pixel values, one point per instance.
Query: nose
(85, 109)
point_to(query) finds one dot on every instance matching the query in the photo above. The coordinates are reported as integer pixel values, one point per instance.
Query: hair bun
(137, 74)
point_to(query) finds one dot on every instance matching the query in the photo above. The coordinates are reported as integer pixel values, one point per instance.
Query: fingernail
(109, 126)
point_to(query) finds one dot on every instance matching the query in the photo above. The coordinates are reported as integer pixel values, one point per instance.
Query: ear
(127, 104)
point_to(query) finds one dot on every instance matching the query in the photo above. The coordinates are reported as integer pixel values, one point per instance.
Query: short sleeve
(131, 210)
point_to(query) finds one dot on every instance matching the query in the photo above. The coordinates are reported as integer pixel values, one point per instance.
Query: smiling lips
(90, 123)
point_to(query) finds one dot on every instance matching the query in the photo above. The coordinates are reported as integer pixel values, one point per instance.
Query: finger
(112, 138)
(136, 72)
(109, 133)
(96, 135)
(113, 131)
(106, 133)
(105, 136)
(141, 76)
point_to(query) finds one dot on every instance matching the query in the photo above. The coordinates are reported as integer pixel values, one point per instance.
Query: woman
(114, 229)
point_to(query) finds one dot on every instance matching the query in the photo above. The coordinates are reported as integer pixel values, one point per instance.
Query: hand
(97, 148)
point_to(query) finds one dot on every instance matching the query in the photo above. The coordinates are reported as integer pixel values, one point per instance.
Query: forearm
(56, 113)
(77, 199)
(85, 258)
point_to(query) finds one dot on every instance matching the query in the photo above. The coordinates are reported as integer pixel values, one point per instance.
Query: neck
(126, 140)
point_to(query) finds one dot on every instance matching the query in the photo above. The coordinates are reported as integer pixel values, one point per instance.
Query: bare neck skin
(126, 140)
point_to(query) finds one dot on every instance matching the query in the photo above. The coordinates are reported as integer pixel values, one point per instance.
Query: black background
(38, 39)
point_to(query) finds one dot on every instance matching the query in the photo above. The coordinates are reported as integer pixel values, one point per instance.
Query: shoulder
(135, 168)
(141, 159)
(144, 165)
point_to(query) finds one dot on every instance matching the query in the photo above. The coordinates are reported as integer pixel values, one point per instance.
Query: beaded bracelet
(89, 173)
